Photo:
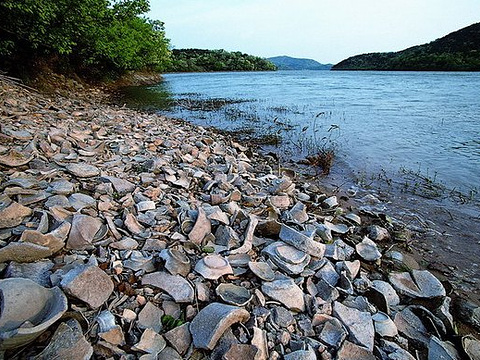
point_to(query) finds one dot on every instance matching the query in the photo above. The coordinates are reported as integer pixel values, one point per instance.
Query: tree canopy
(198, 60)
(88, 36)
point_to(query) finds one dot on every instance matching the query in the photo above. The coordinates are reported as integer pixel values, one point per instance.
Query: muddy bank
(157, 239)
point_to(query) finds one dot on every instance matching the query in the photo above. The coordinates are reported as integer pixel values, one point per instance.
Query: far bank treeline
(198, 60)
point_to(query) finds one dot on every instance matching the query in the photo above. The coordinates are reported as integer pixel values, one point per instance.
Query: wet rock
(286, 292)
(83, 231)
(83, 170)
(150, 317)
(212, 321)
(27, 310)
(179, 338)
(359, 324)
(13, 215)
(471, 346)
(468, 312)
(88, 283)
(378, 233)
(301, 242)
(175, 285)
(67, 342)
(213, 267)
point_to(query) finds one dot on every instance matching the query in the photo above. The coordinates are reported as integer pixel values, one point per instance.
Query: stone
(38, 271)
(176, 262)
(471, 346)
(286, 292)
(175, 285)
(83, 231)
(80, 201)
(61, 187)
(241, 352)
(418, 284)
(359, 324)
(13, 215)
(328, 273)
(384, 326)
(88, 283)
(140, 262)
(412, 327)
(15, 158)
(368, 250)
(213, 267)
(301, 241)
(226, 236)
(333, 333)
(259, 339)
(109, 330)
(286, 257)
(378, 233)
(150, 317)
(167, 354)
(388, 292)
(351, 351)
(67, 342)
(301, 355)
(82, 170)
(394, 351)
(282, 317)
(143, 206)
(179, 338)
(444, 350)
(212, 321)
(298, 213)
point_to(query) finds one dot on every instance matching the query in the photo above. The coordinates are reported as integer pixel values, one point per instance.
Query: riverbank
(147, 227)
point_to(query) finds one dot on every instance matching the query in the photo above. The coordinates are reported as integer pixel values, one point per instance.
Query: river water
(415, 135)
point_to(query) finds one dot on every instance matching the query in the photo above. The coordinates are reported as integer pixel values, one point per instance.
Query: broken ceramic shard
(27, 310)
(233, 294)
(368, 250)
(262, 270)
(286, 257)
(418, 284)
(359, 324)
(301, 241)
(175, 285)
(176, 262)
(213, 267)
(212, 321)
(286, 292)
(13, 215)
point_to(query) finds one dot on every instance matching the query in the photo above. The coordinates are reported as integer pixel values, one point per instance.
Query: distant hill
(290, 63)
(458, 51)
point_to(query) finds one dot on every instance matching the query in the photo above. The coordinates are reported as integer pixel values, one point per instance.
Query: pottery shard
(359, 324)
(88, 283)
(417, 284)
(175, 285)
(82, 170)
(179, 338)
(13, 215)
(301, 241)
(15, 158)
(68, 342)
(350, 351)
(287, 292)
(202, 228)
(150, 317)
(83, 231)
(121, 186)
(212, 321)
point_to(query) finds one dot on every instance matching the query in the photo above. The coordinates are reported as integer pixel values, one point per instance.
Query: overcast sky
(325, 30)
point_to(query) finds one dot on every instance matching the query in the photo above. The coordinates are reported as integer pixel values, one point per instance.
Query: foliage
(458, 51)
(89, 36)
(199, 60)
(289, 63)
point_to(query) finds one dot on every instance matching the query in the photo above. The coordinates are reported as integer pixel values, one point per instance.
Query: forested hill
(199, 60)
(290, 63)
(458, 51)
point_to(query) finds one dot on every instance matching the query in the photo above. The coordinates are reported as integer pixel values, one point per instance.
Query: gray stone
(282, 317)
(368, 250)
(38, 271)
(359, 324)
(301, 355)
(121, 186)
(286, 257)
(301, 242)
(226, 236)
(150, 342)
(443, 350)
(150, 317)
(83, 231)
(83, 170)
(212, 321)
(213, 267)
(418, 284)
(179, 338)
(412, 327)
(333, 333)
(262, 270)
(350, 351)
(175, 285)
(202, 228)
(61, 187)
(13, 215)
(80, 201)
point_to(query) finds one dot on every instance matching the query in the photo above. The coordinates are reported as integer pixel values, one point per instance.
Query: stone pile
(128, 235)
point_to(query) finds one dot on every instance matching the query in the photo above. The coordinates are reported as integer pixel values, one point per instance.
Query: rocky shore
(128, 235)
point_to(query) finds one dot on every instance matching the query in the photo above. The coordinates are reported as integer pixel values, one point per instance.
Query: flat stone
(150, 317)
(417, 284)
(411, 326)
(368, 250)
(359, 324)
(351, 351)
(378, 233)
(262, 270)
(15, 158)
(298, 213)
(61, 187)
(13, 215)
(286, 257)
(145, 205)
(176, 262)
(241, 352)
(88, 283)
(444, 350)
(301, 241)
(259, 339)
(180, 338)
(23, 252)
(384, 326)
(57, 200)
(83, 231)
(226, 236)
(67, 342)
(121, 186)
(301, 355)
(80, 201)
(286, 292)
(166, 354)
(333, 333)
(175, 285)
(212, 321)
(233, 294)
(282, 317)
(38, 271)
(83, 170)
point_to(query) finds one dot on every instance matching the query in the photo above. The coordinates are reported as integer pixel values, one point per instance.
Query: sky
(325, 30)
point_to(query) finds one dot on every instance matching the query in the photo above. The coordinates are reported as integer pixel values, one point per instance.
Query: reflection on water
(427, 123)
